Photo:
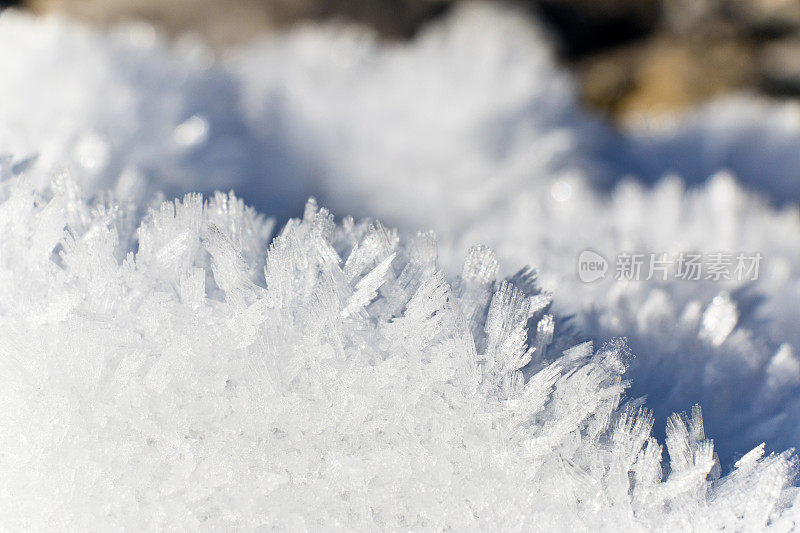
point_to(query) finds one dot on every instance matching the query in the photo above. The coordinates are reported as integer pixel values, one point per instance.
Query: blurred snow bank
(755, 139)
(128, 112)
(469, 130)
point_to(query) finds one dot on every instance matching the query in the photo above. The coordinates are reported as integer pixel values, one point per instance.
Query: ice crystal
(343, 382)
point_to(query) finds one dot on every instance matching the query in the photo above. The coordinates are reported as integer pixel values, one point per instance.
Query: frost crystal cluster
(481, 139)
(333, 380)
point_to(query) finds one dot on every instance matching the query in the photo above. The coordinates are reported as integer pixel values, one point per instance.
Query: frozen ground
(181, 379)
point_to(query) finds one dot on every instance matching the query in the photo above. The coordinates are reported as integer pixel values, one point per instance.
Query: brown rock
(766, 17)
(664, 75)
(225, 22)
(220, 23)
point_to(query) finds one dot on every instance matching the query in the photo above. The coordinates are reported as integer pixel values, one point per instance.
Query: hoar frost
(152, 374)
(170, 376)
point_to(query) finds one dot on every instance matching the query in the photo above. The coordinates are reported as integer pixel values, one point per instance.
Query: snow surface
(155, 374)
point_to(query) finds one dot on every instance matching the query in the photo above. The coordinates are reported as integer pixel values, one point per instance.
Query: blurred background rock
(632, 57)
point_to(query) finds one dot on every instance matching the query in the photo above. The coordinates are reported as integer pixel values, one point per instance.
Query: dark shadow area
(587, 27)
